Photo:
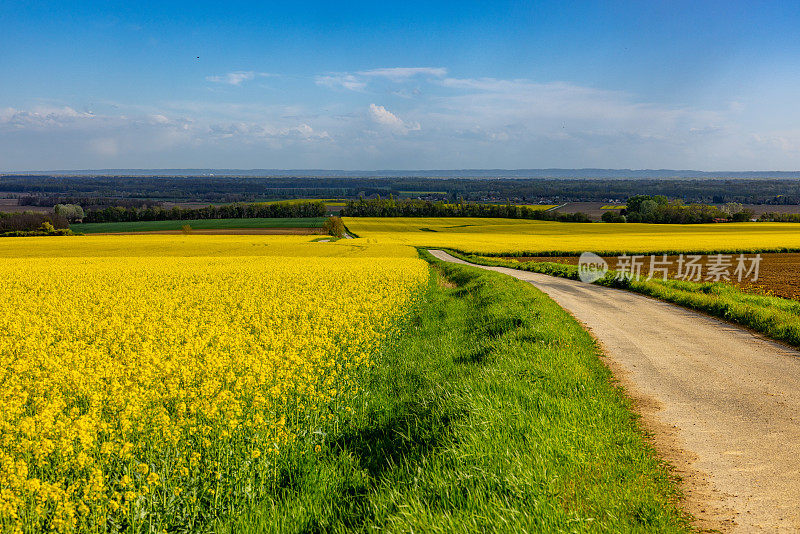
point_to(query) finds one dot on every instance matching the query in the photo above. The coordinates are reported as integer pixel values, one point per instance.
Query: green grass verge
(197, 224)
(657, 252)
(491, 412)
(775, 317)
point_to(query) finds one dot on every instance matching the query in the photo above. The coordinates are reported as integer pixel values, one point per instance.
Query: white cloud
(337, 81)
(563, 110)
(399, 74)
(358, 81)
(381, 115)
(785, 141)
(104, 146)
(304, 131)
(237, 77)
(386, 118)
(42, 117)
(469, 122)
(132, 138)
(253, 133)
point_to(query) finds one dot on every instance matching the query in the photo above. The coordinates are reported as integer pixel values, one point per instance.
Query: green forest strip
(491, 412)
(196, 224)
(775, 317)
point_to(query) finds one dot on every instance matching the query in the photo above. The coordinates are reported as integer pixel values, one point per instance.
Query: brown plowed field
(11, 205)
(779, 273)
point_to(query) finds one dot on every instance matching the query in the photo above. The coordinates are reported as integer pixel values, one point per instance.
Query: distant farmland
(196, 224)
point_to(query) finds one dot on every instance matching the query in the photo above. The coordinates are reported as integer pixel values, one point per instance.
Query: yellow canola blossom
(492, 236)
(148, 390)
(195, 245)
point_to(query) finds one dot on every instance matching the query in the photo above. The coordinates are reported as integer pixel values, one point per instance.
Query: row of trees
(334, 226)
(780, 217)
(45, 229)
(71, 212)
(561, 187)
(229, 211)
(49, 201)
(658, 209)
(423, 208)
(28, 221)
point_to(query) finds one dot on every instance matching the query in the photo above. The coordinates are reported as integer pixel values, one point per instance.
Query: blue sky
(412, 85)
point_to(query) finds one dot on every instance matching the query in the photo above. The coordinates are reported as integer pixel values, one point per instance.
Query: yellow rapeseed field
(194, 245)
(484, 235)
(151, 381)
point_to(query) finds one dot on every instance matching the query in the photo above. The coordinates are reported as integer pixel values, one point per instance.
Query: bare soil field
(11, 205)
(231, 231)
(759, 209)
(592, 209)
(595, 211)
(779, 273)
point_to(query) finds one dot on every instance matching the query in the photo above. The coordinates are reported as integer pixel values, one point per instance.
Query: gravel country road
(722, 403)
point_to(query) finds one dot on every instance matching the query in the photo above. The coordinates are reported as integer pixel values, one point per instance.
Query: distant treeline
(27, 221)
(660, 210)
(229, 211)
(218, 189)
(49, 201)
(423, 208)
(780, 217)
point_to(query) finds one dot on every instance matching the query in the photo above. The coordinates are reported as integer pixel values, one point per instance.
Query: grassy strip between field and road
(492, 411)
(774, 317)
(196, 224)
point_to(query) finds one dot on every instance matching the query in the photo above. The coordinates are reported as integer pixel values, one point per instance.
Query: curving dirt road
(722, 403)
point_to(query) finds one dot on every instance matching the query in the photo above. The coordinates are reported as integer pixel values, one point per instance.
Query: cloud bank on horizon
(504, 107)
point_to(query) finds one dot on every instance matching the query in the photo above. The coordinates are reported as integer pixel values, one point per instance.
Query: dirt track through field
(722, 403)
(778, 274)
